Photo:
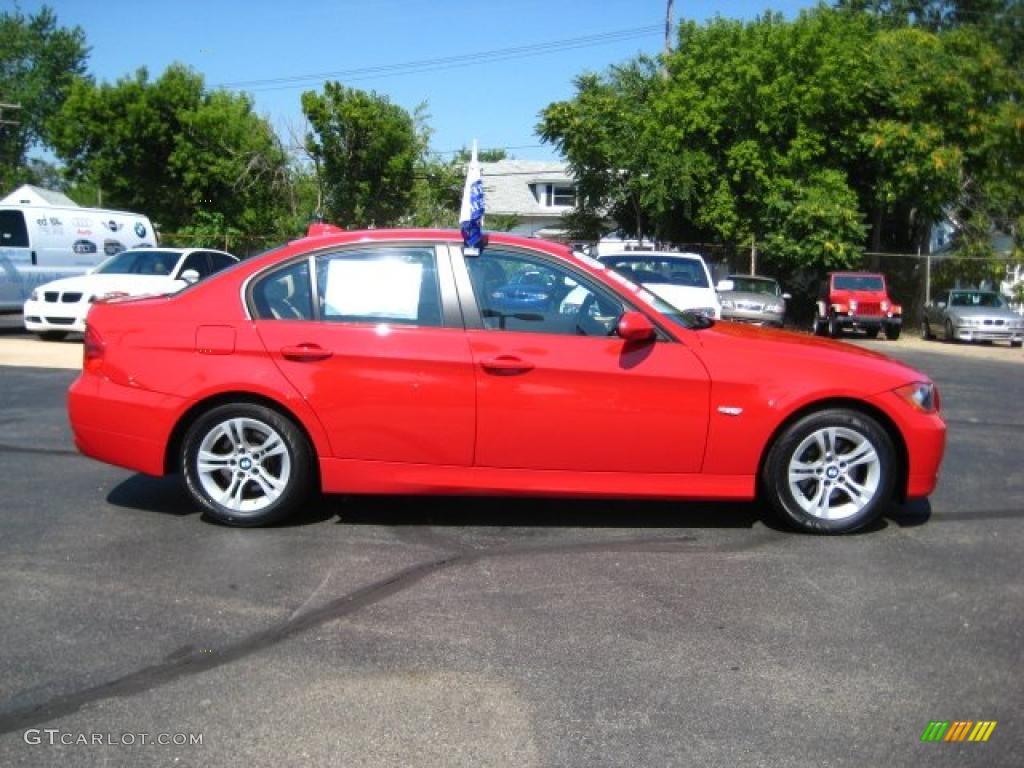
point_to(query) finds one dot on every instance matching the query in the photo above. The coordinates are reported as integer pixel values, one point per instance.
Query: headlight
(921, 395)
(773, 307)
(727, 304)
(853, 305)
(35, 295)
(885, 306)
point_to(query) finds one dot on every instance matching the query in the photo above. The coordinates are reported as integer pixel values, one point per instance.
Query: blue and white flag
(472, 215)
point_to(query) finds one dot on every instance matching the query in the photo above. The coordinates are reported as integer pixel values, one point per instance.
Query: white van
(40, 243)
(681, 279)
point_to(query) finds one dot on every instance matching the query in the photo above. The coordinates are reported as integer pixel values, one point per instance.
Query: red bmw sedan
(398, 362)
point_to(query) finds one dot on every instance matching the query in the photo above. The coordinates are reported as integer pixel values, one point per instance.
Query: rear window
(13, 233)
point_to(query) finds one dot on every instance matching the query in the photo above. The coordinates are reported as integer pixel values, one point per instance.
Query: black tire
(52, 335)
(892, 332)
(1016, 344)
(248, 477)
(949, 331)
(797, 442)
(818, 325)
(872, 333)
(926, 331)
(835, 328)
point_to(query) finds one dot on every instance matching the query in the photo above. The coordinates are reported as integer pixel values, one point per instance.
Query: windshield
(858, 283)
(147, 262)
(754, 285)
(661, 270)
(976, 299)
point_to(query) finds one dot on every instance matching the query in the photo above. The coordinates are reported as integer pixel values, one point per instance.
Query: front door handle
(305, 353)
(506, 364)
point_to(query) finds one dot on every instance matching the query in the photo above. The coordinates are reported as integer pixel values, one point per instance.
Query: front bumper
(924, 435)
(43, 316)
(772, 319)
(868, 322)
(987, 333)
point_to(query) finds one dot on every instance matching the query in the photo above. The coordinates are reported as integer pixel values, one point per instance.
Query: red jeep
(856, 300)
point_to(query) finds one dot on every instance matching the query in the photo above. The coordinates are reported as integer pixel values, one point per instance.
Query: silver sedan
(752, 299)
(968, 315)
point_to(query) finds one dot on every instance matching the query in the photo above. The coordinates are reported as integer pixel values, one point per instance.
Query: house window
(561, 196)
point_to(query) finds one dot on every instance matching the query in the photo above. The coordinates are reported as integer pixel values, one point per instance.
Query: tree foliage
(813, 138)
(365, 149)
(39, 62)
(174, 150)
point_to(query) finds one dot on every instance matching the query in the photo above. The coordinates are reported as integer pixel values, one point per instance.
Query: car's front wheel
(892, 331)
(246, 465)
(926, 331)
(53, 335)
(832, 471)
(835, 328)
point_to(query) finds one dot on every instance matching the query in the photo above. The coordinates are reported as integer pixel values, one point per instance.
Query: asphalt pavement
(495, 632)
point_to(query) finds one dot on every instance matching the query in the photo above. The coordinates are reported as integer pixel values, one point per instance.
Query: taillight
(92, 350)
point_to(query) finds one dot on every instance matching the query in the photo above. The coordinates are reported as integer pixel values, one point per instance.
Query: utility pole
(668, 26)
(753, 254)
(668, 36)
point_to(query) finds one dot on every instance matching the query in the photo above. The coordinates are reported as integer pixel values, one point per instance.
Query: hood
(99, 284)
(766, 354)
(996, 312)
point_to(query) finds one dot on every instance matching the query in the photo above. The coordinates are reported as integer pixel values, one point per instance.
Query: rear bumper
(122, 425)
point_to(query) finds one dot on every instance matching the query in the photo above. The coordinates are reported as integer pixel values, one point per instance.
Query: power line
(445, 62)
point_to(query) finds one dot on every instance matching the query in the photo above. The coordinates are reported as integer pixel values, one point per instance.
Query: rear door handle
(506, 364)
(305, 353)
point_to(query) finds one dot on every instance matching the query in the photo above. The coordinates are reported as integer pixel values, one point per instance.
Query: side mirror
(787, 296)
(633, 326)
(190, 276)
(725, 285)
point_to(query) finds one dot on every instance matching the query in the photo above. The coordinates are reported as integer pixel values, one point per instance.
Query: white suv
(681, 279)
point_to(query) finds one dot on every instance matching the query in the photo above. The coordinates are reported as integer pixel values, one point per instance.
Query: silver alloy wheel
(243, 464)
(834, 473)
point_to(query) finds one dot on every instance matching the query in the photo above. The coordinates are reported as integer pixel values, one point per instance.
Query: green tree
(171, 149)
(39, 62)
(366, 150)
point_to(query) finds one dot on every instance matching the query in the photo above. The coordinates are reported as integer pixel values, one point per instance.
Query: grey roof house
(538, 193)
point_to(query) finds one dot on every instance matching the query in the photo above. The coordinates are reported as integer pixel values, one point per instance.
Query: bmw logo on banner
(140, 229)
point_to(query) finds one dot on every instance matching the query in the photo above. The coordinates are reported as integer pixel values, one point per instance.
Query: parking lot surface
(440, 632)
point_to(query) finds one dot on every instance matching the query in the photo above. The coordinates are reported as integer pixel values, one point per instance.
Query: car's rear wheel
(830, 472)
(949, 331)
(246, 465)
(53, 335)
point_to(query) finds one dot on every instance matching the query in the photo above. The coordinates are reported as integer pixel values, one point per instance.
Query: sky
(457, 56)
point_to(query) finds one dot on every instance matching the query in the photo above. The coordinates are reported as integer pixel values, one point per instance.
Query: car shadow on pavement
(504, 511)
(165, 495)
